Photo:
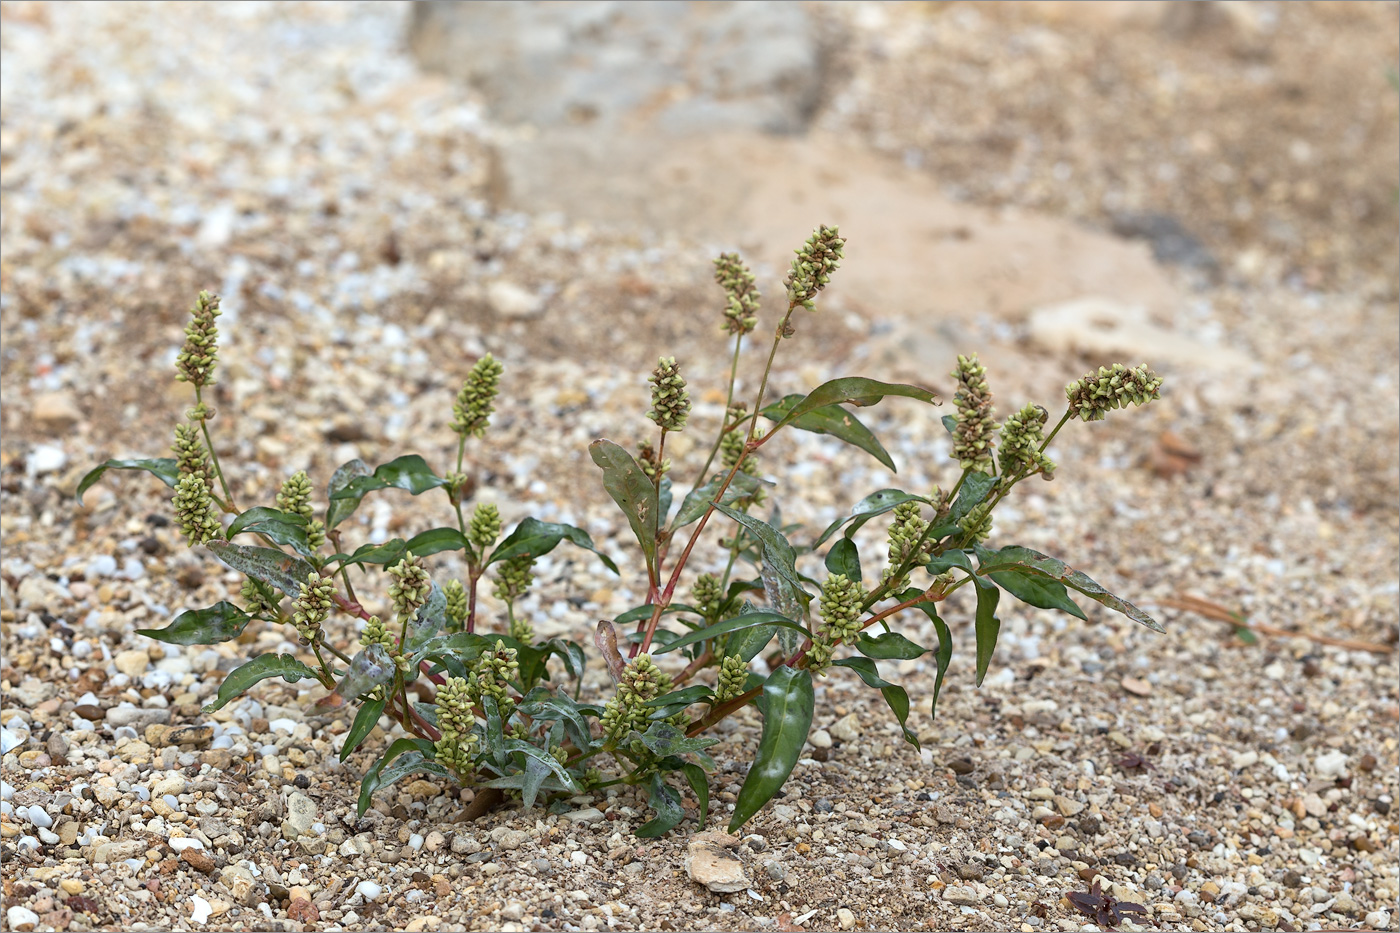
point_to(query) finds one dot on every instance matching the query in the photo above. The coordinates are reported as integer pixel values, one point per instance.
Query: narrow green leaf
(695, 693)
(698, 499)
(853, 390)
(634, 493)
(746, 643)
(1026, 561)
(543, 705)
(638, 613)
(365, 721)
(943, 655)
(165, 469)
(548, 760)
(495, 733)
(788, 703)
(273, 567)
(844, 558)
(435, 541)
(987, 624)
(571, 653)
(220, 622)
(833, 420)
(536, 772)
(889, 646)
(1037, 592)
(338, 507)
(390, 552)
(974, 490)
(877, 503)
(260, 668)
(895, 695)
(700, 784)
(667, 804)
(747, 620)
(534, 538)
(281, 527)
(779, 558)
(406, 756)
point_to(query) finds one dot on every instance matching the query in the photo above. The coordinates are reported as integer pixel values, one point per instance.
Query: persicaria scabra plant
(499, 719)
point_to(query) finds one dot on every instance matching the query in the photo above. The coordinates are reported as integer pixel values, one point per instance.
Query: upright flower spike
(456, 722)
(1095, 394)
(189, 450)
(641, 681)
(410, 588)
(733, 674)
(376, 634)
(977, 523)
(513, 577)
(485, 527)
(195, 511)
(259, 596)
(457, 607)
(313, 606)
(707, 595)
(472, 412)
(906, 530)
(1022, 437)
(670, 402)
(973, 440)
(650, 464)
(491, 675)
(811, 270)
(841, 600)
(200, 354)
(740, 292)
(295, 495)
(731, 445)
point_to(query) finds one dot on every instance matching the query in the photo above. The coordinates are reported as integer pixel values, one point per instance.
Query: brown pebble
(1136, 686)
(90, 712)
(1367, 763)
(1363, 844)
(197, 736)
(199, 860)
(303, 911)
(962, 766)
(220, 759)
(56, 919)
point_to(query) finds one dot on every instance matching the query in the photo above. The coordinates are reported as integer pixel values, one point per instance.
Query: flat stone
(963, 895)
(1066, 806)
(1136, 686)
(55, 412)
(586, 815)
(120, 851)
(845, 729)
(132, 663)
(119, 716)
(820, 738)
(301, 816)
(708, 861)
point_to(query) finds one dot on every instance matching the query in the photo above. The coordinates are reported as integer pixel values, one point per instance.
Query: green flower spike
(513, 577)
(731, 446)
(295, 495)
(841, 600)
(485, 527)
(410, 588)
(313, 605)
(973, 440)
(1097, 393)
(641, 681)
(707, 595)
(456, 722)
(811, 270)
(977, 523)
(472, 413)
(491, 675)
(733, 674)
(189, 450)
(200, 354)
(259, 597)
(521, 630)
(741, 307)
(195, 511)
(457, 607)
(670, 402)
(376, 634)
(906, 530)
(1022, 437)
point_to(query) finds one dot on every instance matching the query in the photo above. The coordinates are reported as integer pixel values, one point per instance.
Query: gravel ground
(289, 157)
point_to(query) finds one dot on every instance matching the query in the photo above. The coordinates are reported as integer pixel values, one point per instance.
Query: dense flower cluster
(641, 681)
(194, 510)
(1022, 437)
(472, 412)
(811, 270)
(841, 610)
(670, 402)
(1095, 394)
(313, 605)
(200, 354)
(740, 292)
(973, 440)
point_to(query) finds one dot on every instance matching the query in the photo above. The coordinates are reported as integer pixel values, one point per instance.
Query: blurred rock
(1103, 327)
(55, 412)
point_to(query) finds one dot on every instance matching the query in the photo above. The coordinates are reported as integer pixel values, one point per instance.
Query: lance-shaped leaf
(276, 568)
(365, 721)
(545, 706)
(779, 558)
(895, 695)
(339, 509)
(889, 646)
(843, 558)
(435, 541)
(698, 499)
(634, 493)
(853, 390)
(165, 469)
(788, 702)
(701, 786)
(1026, 561)
(974, 490)
(260, 668)
(668, 705)
(543, 756)
(987, 624)
(1032, 589)
(281, 527)
(877, 503)
(667, 804)
(833, 420)
(943, 655)
(534, 538)
(390, 552)
(747, 620)
(220, 622)
(406, 756)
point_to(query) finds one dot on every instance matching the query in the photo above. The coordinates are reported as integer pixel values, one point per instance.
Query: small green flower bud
(973, 440)
(410, 588)
(707, 595)
(472, 413)
(200, 412)
(670, 402)
(194, 510)
(641, 681)
(1022, 437)
(647, 460)
(977, 523)
(521, 630)
(315, 534)
(259, 596)
(740, 292)
(200, 354)
(313, 605)
(733, 674)
(1091, 396)
(513, 577)
(457, 607)
(375, 634)
(295, 495)
(485, 527)
(731, 445)
(811, 270)
(189, 450)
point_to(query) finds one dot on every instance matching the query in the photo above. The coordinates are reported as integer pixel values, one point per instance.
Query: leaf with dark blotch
(895, 695)
(534, 538)
(242, 678)
(218, 623)
(975, 489)
(634, 493)
(365, 721)
(277, 568)
(165, 469)
(788, 702)
(545, 706)
(943, 654)
(889, 646)
(833, 420)
(747, 620)
(339, 508)
(852, 390)
(280, 527)
(1026, 561)
(877, 503)
(778, 557)
(667, 804)
(844, 558)
(665, 739)
(544, 757)
(698, 499)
